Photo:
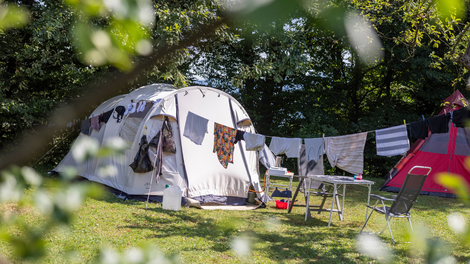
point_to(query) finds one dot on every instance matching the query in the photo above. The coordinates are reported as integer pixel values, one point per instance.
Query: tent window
(462, 147)
(436, 143)
(129, 128)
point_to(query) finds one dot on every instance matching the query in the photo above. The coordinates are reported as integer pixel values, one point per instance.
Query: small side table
(269, 184)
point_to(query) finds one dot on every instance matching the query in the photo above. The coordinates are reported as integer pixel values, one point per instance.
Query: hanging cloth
(95, 123)
(85, 126)
(156, 143)
(142, 163)
(254, 141)
(141, 106)
(168, 141)
(439, 124)
(239, 136)
(142, 109)
(120, 111)
(224, 138)
(195, 128)
(266, 157)
(288, 146)
(314, 148)
(106, 115)
(347, 152)
(418, 129)
(460, 117)
(392, 141)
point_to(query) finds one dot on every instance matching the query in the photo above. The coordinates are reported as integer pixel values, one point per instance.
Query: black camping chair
(402, 202)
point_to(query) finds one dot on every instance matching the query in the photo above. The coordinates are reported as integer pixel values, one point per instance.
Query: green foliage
(12, 16)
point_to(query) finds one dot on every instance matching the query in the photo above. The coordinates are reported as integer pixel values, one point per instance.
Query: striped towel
(347, 152)
(392, 141)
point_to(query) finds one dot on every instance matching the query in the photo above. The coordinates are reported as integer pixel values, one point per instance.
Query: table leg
(295, 194)
(333, 203)
(342, 205)
(266, 189)
(368, 201)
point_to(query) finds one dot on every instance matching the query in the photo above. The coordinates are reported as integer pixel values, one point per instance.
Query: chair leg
(389, 227)
(409, 220)
(367, 220)
(324, 199)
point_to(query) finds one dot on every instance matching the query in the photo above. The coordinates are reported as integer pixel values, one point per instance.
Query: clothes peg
(404, 122)
(145, 130)
(423, 117)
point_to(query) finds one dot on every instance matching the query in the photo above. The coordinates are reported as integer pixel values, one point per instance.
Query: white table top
(335, 179)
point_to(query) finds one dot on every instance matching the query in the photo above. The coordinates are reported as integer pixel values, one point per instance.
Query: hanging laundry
(266, 157)
(224, 138)
(460, 117)
(439, 124)
(85, 127)
(142, 163)
(141, 106)
(392, 141)
(347, 152)
(156, 143)
(120, 111)
(105, 116)
(239, 136)
(168, 142)
(141, 112)
(95, 123)
(288, 146)
(131, 108)
(314, 148)
(418, 129)
(254, 141)
(195, 128)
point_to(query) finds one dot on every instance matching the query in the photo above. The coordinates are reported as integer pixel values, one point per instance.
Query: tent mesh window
(129, 128)
(436, 143)
(462, 142)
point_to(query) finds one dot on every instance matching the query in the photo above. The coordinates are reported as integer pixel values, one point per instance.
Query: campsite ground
(206, 236)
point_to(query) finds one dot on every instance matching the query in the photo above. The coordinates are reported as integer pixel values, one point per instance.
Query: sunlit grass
(207, 236)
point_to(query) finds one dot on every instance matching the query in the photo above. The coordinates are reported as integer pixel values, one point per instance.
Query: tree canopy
(301, 69)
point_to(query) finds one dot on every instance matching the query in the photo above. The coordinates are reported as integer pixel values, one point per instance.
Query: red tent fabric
(443, 152)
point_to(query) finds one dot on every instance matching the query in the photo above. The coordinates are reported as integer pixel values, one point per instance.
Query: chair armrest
(378, 197)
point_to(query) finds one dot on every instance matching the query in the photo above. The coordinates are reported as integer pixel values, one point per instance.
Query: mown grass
(205, 236)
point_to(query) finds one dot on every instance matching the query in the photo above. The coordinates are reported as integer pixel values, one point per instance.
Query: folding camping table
(336, 182)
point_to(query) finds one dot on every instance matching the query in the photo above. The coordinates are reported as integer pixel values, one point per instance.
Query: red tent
(443, 152)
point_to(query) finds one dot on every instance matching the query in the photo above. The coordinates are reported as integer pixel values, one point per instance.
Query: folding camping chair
(402, 202)
(307, 168)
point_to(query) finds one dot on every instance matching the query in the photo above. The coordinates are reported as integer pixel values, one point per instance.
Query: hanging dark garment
(418, 129)
(85, 126)
(142, 161)
(460, 117)
(239, 136)
(105, 116)
(120, 110)
(156, 143)
(168, 142)
(439, 124)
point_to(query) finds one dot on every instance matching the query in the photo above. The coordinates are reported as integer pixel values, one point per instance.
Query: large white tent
(194, 168)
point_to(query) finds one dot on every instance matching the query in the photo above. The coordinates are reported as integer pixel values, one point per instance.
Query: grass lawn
(206, 236)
